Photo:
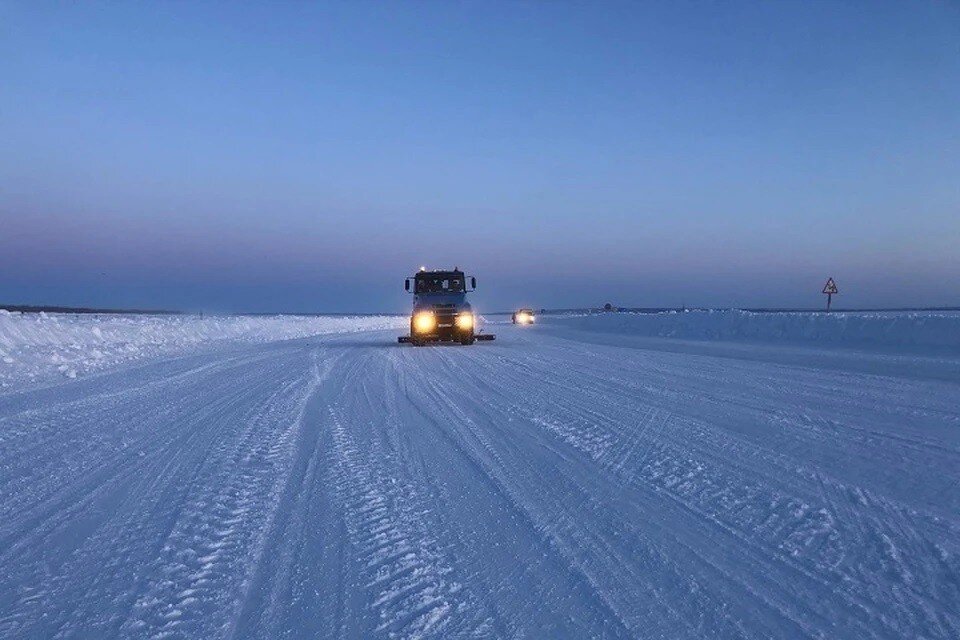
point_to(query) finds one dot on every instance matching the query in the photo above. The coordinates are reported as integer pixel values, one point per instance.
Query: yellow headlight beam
(465, 321)
(424, 322)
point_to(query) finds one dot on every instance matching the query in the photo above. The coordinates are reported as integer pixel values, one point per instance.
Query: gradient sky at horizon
(308, 157)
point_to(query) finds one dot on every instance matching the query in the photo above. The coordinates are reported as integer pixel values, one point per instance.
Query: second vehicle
(524, 316)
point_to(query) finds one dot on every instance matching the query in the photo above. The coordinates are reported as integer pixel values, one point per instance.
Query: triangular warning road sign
(830, 287)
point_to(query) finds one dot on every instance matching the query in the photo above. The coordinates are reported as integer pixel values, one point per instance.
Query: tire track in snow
(102, 517)
(694, 464)
(87, 558)
(212, 550)
(745, 540)
(657, 555)
(412, 588)
(57, 440)
(613, 580)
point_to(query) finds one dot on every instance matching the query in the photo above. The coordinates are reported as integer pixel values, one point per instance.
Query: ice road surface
(581, 478)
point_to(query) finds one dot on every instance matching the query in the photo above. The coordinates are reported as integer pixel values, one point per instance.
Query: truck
(441, 312)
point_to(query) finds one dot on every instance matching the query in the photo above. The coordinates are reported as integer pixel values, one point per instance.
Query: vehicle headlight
(465, 320)
(424, 322)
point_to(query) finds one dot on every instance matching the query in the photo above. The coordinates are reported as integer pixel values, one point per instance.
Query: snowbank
(914, 331)
(34, 347)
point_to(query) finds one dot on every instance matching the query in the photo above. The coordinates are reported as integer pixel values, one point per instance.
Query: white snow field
(581, 478)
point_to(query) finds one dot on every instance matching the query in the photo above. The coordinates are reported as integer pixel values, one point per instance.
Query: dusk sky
(308, 157)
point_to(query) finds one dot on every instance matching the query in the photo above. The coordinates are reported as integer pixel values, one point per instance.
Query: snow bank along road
(556, 483)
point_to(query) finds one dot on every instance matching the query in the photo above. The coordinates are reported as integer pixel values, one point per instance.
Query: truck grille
(446, 318)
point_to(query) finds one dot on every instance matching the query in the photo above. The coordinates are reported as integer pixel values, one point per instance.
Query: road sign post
(830, 288)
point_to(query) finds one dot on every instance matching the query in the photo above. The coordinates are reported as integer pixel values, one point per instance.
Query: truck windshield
(440, 283)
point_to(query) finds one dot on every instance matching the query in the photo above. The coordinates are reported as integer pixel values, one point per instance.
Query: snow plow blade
(479, 336)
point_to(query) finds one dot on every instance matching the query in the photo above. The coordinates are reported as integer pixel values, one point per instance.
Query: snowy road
(547, 485)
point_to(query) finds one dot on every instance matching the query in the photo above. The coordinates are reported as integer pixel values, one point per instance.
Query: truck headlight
(465, 321)
(424, 322)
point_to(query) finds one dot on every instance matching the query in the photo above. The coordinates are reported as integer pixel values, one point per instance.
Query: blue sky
(296, 156)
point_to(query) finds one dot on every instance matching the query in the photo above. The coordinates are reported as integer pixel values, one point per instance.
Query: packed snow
(584, 477)
(38, 347)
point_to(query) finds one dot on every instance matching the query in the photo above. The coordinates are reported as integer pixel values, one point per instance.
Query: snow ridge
(39, 347)
(911, 331)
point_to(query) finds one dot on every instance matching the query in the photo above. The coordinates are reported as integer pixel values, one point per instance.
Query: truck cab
(441, 312)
